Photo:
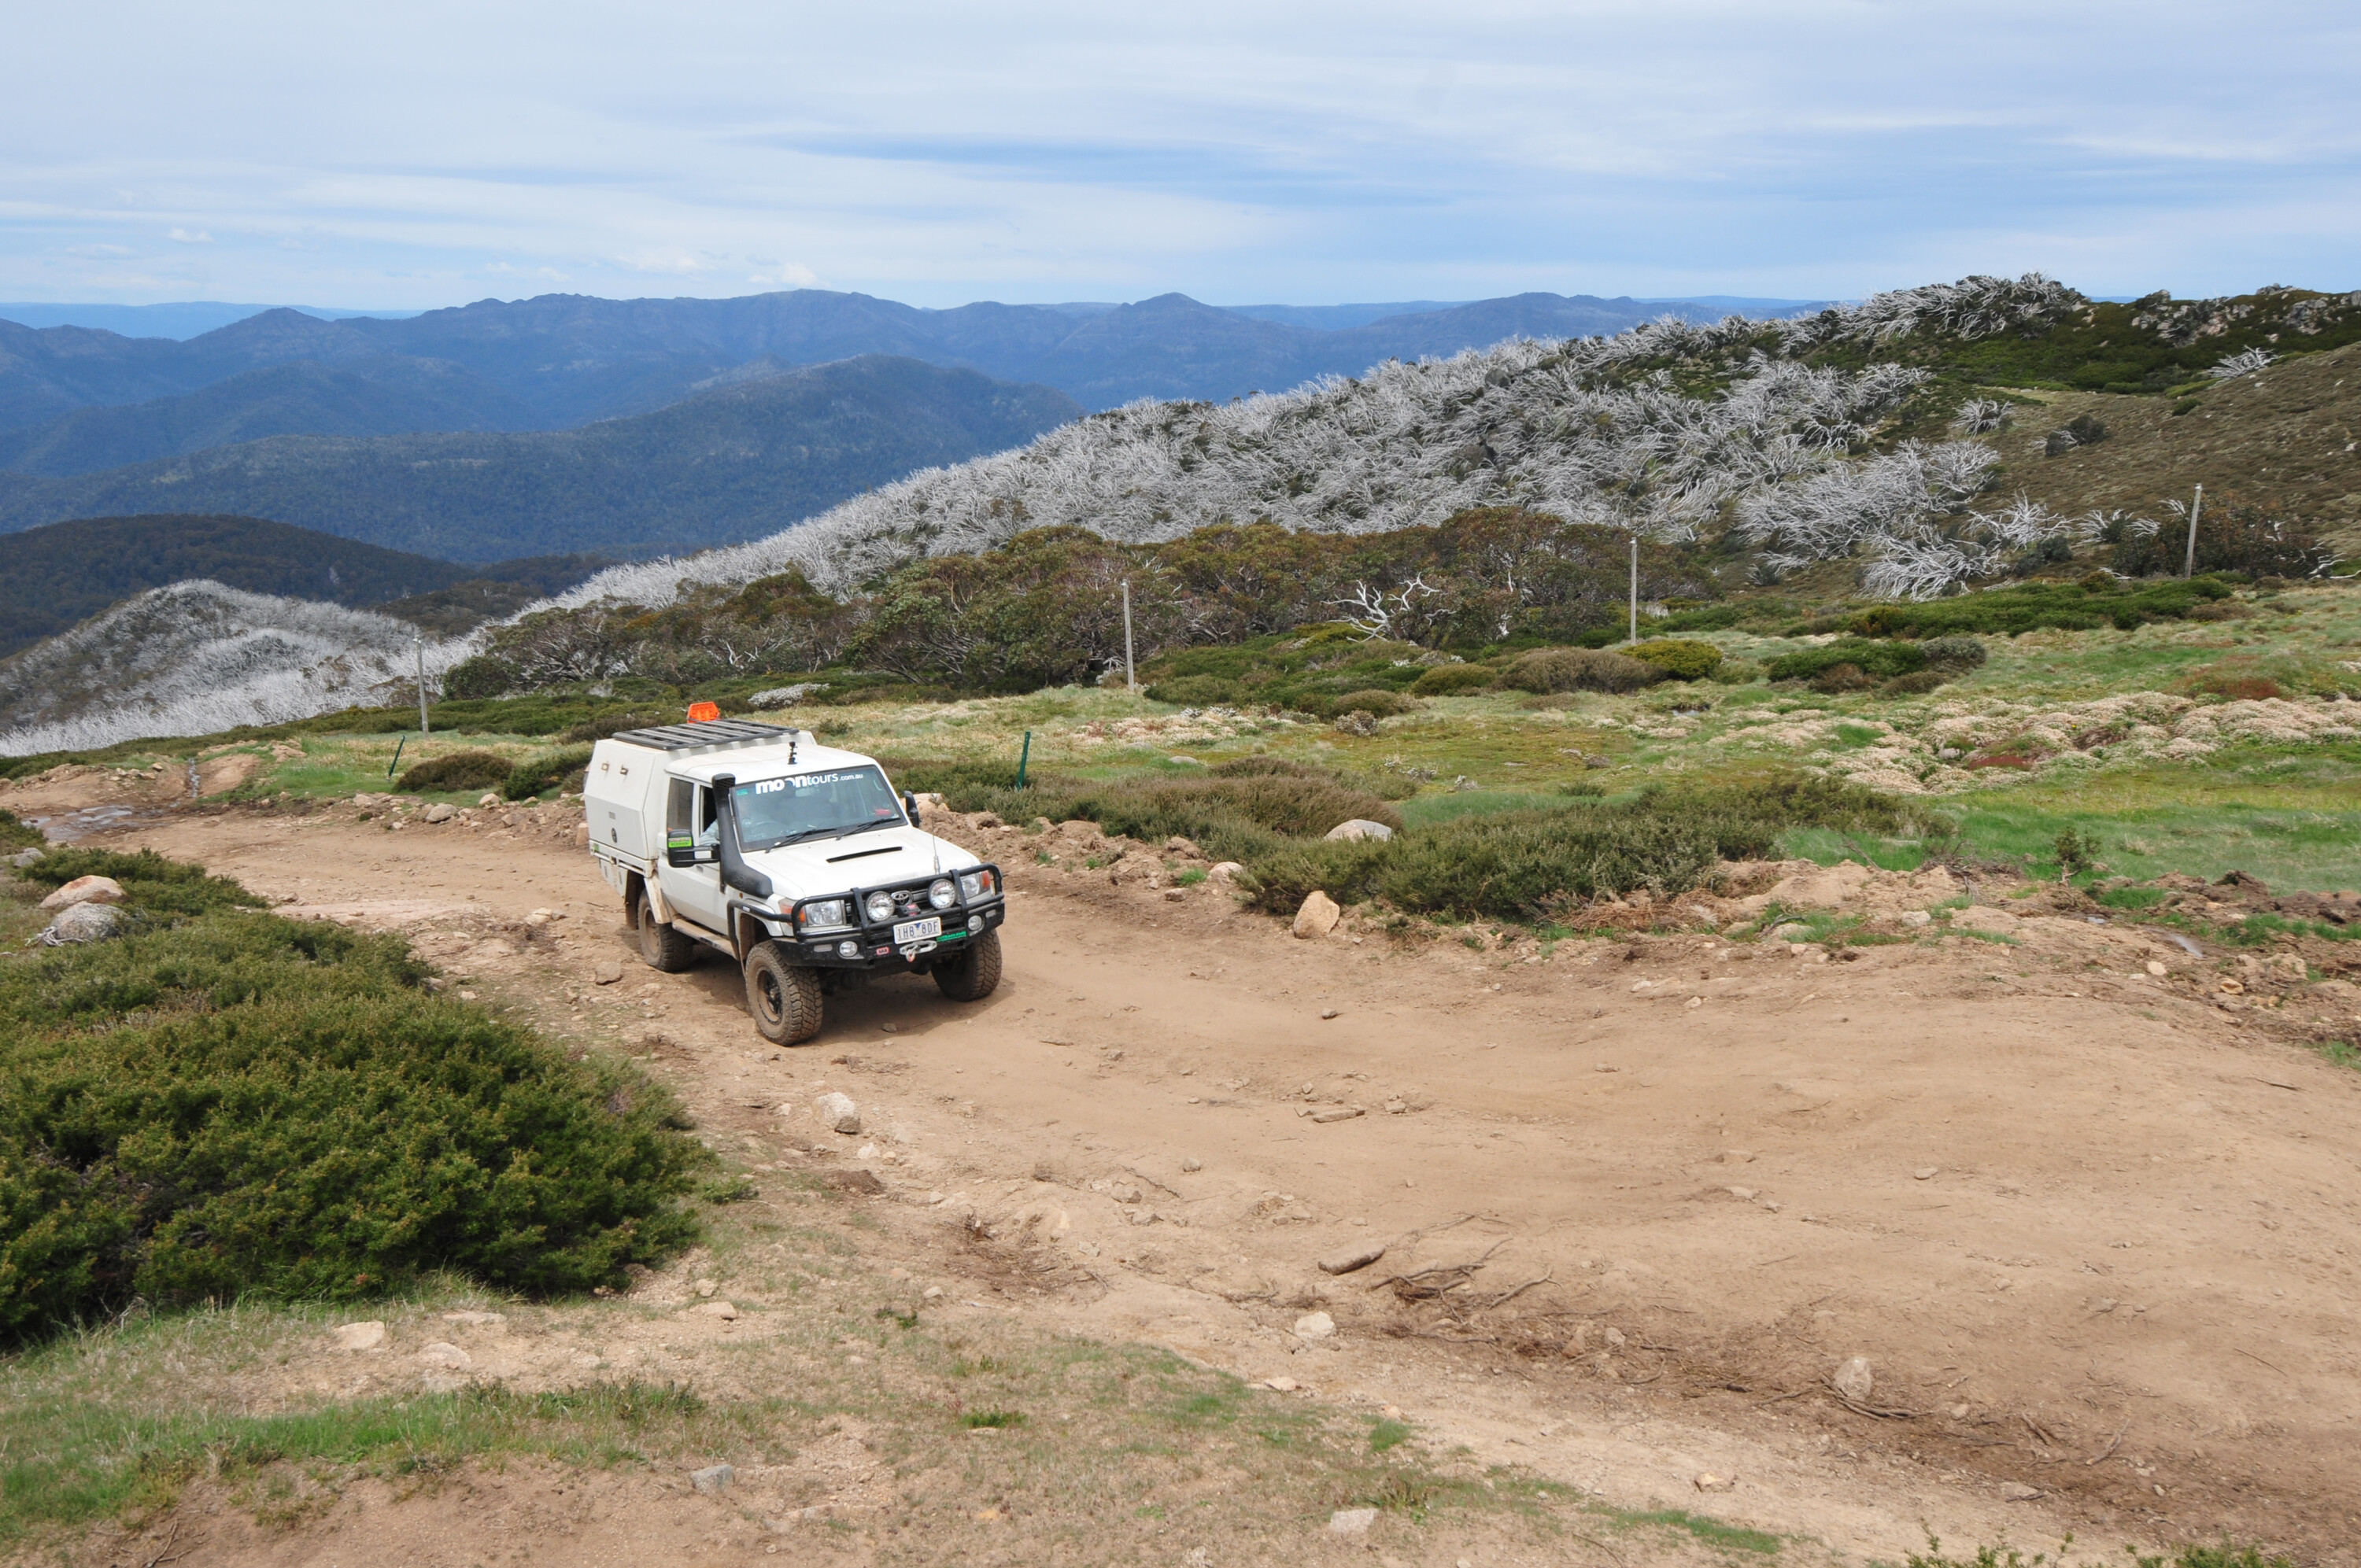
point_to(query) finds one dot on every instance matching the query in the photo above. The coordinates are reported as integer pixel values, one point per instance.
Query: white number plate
(918, 930)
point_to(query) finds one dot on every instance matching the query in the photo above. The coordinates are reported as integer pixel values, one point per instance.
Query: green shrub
(1453, 680)
(241, 1105)
(15, 835)
(546, 772)
(1682, 660)
(1194, 691)
(1882, 659)
(1521, 865)
(1547, 671)
(154, 888)
(1838, 679)
(1915, 684)
(2028, 607)
(1377, 702)
(1231, 814)
(457, 772)
(1955, 653)
(1736, 673)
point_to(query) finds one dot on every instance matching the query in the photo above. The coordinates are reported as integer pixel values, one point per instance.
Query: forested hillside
(66, 572)
(736, 462)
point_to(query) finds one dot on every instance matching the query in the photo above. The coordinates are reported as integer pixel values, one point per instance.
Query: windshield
(774, 811)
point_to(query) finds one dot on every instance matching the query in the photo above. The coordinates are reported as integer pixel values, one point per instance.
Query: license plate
(918, 930)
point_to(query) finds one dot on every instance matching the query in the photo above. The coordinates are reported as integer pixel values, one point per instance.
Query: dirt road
(2093, 1236)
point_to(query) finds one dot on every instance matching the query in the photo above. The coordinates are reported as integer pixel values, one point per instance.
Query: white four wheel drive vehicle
(796, 860)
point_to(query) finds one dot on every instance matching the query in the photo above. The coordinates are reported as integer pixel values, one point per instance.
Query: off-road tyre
(784, 998)
(661, 946)
(975, 974)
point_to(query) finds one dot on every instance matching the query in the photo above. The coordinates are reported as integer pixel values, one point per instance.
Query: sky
(420, 155)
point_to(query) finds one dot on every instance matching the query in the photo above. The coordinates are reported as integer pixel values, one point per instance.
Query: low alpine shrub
(1882, 658)
(14, 834)
(1679, 657)
(1549, 671)
(548, 771)
(1516, 865)
(1955, 653)
(1454, 680)
(225, 1104)
(457, 772)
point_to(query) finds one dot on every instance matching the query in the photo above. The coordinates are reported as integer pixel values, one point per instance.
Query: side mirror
(910, 807)
(680, 851)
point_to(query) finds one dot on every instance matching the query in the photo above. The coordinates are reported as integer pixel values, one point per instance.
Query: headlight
(941, 894)
(880, 907)
(826, 914)
(978, 884)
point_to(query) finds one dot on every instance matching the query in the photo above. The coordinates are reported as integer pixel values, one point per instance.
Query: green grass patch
(1710, 1532)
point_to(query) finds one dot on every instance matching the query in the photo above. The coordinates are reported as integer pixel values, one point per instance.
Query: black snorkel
(735, 871)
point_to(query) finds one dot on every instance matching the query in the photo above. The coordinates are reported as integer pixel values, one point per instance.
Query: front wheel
(784, 998)
(976, 973)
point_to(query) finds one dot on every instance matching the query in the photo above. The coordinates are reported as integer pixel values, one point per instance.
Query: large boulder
(85, 890)
(84, 923)
(1359, 827)
(1318, 916)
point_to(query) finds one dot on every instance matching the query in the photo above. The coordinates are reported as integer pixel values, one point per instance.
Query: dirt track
(2095, 1236)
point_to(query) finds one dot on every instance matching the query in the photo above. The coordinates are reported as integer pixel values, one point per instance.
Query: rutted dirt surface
(1641, 1199)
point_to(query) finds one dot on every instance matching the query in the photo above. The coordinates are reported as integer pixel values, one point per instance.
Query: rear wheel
(976, 973)
(662, 946)
(784, 998)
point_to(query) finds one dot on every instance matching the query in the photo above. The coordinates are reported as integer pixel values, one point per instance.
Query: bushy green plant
(1454, 680)
(1882, 658)
(546, 772)
(1914, 684)
(1954, 653)
(1518, 865)
(1253, 810)
(1677, 657)
(1377, 702)
(458, 770)
(14, 834)
(154, 888)
(1547, 671)
(237, 1104)
(2027, 607)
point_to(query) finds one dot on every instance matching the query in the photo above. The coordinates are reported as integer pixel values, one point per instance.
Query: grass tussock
(223, 1103)
(1521, 865)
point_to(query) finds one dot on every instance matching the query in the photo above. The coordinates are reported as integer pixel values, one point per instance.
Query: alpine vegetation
(197, 657)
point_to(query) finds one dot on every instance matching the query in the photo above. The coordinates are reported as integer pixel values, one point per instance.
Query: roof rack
(712, 735)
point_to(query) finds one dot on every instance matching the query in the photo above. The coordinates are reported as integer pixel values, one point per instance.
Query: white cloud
(1316, 151)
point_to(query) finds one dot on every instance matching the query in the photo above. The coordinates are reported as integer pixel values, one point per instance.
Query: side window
(680, 807)
(709, 808)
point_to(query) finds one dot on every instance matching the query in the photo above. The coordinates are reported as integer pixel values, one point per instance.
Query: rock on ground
(1318, 916)
(85, 890)
(83, 922)
(836, 1109)
(359, 1337)
(1359, 827)
(1854, 1379)
(1352, 1257)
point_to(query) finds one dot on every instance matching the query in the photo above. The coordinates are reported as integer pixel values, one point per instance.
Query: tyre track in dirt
(2124, 1280)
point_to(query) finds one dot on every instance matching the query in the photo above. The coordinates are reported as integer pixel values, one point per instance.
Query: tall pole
(1635, 584)
(1130, 673)
(418, 646)
(2189, 568)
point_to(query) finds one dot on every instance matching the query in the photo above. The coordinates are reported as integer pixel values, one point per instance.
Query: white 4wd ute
(796, 860)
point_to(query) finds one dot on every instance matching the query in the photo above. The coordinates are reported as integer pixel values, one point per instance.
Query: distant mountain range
(66, 572)
(563, 359)
(635, 427)
(751, 451)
